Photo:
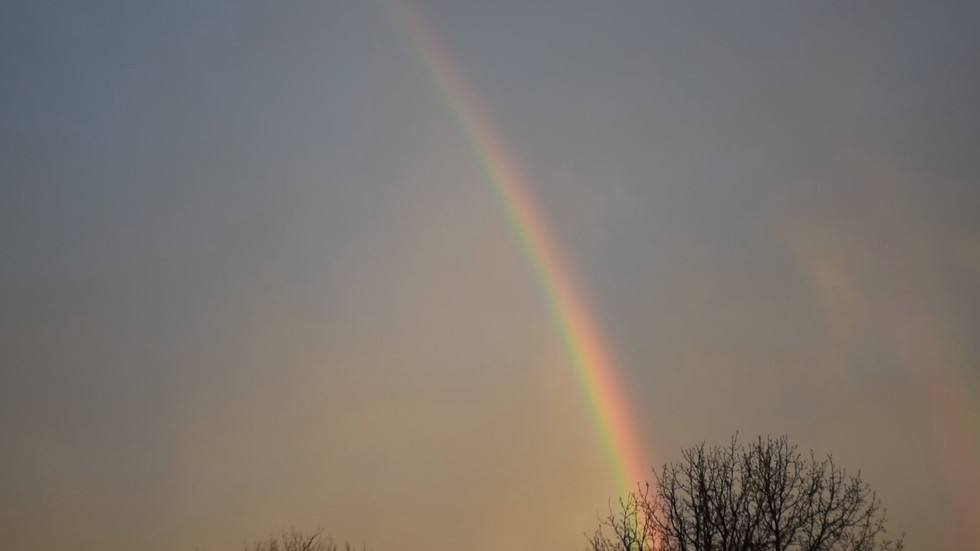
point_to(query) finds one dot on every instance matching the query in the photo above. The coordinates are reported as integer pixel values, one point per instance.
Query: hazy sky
(252, 274)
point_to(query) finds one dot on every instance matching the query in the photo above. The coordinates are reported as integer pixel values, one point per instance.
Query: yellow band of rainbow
(582, 339)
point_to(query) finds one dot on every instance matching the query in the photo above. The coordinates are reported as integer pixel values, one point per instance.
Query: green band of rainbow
(583, 341)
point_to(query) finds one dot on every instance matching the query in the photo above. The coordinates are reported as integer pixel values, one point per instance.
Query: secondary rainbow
(593, 366)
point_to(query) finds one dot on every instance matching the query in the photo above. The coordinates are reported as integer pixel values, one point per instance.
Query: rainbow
(594, 370)
(926, 346)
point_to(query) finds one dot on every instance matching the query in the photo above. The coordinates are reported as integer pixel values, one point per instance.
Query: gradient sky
(253, 276)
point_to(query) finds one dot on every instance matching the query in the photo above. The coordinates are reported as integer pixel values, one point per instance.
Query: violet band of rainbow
(583, 342)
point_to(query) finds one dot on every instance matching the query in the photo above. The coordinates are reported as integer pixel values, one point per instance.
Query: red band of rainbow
(584, 344)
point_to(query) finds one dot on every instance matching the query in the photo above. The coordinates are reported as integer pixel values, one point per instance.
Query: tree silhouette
(766, 496)
(294, 540)
(626, 529)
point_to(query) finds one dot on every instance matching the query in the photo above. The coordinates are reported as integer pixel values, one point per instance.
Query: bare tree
(625, 529)
(293, 540)
(766, 496)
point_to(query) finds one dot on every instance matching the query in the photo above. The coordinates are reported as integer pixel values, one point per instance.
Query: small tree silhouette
(761, 497)
(627, 529)
(293, 540)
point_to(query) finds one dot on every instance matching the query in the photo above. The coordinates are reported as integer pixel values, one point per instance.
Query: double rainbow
(594, 370)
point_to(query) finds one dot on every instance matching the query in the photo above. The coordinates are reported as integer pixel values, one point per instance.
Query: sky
(259, 267)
